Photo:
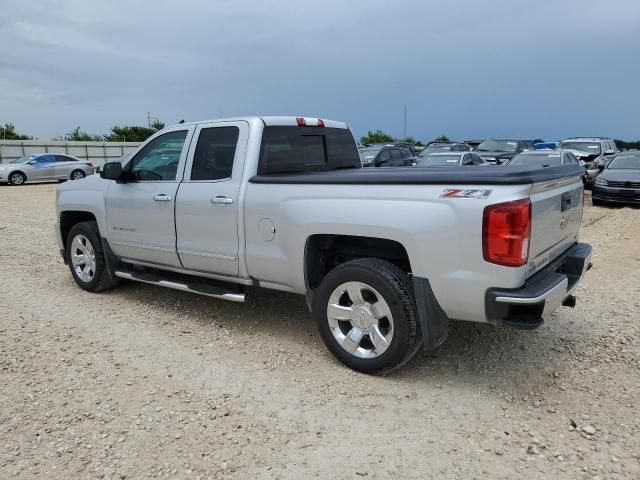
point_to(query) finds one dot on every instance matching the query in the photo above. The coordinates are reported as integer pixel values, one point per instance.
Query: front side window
(45, 159)
(384, 157)
(477, 159)
(215, 151)
(158, 160)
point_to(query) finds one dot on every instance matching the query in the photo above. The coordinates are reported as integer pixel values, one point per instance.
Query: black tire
(596, 203)
(101, 279)
(14, 178)
(62, 181)
(395, 286)
(77, 175)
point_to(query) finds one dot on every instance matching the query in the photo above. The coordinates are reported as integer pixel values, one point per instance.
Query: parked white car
(44, 166)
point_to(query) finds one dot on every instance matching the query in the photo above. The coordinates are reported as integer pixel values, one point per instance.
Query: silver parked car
(44, 166)
(449, 159)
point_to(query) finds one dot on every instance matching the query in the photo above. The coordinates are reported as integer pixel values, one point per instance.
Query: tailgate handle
(566, 201)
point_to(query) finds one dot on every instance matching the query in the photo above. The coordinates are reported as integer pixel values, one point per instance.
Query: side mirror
(609, 152)
(111, 171)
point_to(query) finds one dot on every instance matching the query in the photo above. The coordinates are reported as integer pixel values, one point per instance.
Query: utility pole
(149, 119)
(405, 123)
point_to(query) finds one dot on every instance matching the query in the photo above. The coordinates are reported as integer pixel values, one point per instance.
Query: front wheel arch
(20, 172)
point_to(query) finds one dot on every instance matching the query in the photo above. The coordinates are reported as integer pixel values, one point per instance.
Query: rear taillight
(506, 229)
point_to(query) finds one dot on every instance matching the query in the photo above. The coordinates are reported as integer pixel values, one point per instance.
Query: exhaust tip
(570, 301)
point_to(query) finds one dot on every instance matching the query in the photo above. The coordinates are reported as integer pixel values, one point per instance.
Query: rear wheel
(77, 175)
(86, 259)
(17, 178)
(366, 314)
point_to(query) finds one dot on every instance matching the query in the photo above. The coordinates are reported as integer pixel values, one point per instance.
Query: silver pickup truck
(385, 257)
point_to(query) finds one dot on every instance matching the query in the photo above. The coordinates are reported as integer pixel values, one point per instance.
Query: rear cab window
(291, 149)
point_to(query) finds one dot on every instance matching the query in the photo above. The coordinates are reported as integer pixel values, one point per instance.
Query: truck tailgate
(556, 213)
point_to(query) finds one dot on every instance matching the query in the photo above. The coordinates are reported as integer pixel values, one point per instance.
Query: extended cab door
(208, 199)
(140, 211)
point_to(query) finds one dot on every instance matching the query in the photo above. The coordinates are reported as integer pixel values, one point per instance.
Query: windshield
(539, 160)
(23, 159)
(625, 162)
(434, 148)
(438, 160)
(498, 146)
(590, 148)
(368, 154)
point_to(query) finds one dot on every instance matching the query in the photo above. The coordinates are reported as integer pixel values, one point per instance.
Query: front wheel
(366, 313)
(86, 259)
(17, 178)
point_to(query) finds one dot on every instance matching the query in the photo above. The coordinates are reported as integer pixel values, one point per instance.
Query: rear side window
(62, 158)
(215, 151)
(306, 149)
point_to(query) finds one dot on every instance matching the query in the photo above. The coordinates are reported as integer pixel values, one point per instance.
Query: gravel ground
(145, 382)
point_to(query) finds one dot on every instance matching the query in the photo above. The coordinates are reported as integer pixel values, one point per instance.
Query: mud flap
(434, 323)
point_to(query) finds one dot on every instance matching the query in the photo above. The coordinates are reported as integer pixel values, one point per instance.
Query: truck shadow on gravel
(474, 353)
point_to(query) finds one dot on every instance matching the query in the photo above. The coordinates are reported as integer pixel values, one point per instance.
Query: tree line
(118, 133)
(136, 133)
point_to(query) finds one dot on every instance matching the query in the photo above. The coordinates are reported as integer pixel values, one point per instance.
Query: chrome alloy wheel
(77, 175)
(83, 258)
(360, 320)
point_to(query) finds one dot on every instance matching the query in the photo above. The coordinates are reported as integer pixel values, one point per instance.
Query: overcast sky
(465, 68)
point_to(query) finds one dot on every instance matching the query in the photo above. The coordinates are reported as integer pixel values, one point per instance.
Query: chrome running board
(185, 286)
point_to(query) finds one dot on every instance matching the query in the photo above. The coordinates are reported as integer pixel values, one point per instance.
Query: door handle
(221, 200)
(162, 198)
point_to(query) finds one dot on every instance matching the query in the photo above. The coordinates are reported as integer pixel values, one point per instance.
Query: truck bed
(477, 175)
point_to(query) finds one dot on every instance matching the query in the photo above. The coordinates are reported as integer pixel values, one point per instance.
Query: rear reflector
(506, 229)
(309, 122)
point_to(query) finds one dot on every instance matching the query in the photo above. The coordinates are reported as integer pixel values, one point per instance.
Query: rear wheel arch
(24, 175)
(324, 252)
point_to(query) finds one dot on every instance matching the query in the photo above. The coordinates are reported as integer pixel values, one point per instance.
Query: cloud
(464, 68)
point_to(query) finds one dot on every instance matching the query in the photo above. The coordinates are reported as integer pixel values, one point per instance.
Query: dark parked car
(385, 156)
(619, 181)
(450, 159)
(501, 150)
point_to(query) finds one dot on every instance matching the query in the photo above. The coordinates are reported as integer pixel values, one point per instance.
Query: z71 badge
(465, 193)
